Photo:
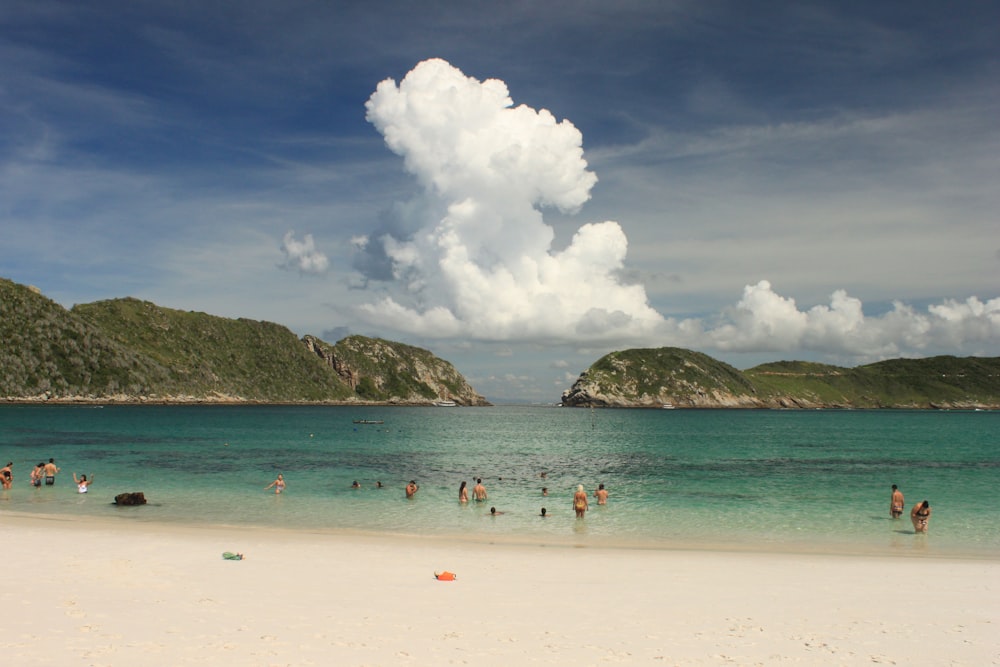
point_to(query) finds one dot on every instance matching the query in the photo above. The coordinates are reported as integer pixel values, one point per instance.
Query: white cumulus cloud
(473, 257)
(485, 267)
(302, 255)
(766, 321)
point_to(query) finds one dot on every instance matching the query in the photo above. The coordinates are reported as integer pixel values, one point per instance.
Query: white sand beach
(95, 592)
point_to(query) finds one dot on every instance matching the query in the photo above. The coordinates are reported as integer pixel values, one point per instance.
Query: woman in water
(82, 484)
(278, 484)
(463, 493)
(580, 504)
(7, 475)
(920, 515)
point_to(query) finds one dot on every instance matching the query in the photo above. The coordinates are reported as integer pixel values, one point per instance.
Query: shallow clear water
(814, 480)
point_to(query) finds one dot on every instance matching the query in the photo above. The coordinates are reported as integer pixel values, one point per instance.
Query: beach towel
(229, 555)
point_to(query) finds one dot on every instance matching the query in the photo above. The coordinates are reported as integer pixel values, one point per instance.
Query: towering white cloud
(484, 267)
(474, 258)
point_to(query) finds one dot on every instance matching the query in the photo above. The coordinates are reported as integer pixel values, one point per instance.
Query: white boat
(445, 404)
(668, 406)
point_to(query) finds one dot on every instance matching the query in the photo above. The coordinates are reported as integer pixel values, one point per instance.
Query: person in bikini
(37, 473)
(7, 475)
(82, 484)
(463, 493)
(278, 484)
(896, 503)
(920, 515)
(580, 504)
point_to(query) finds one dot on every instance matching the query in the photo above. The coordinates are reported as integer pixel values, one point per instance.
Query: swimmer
(580, 504)
(479, 492)
(37, 473)
(7, 475)
(896, 503)
(493, 511)
(463, 493)
(82, 484)
(411, 489)
(920, 515)
(543, 514)
(545, 490)
(278, 484)
(50, 472)
(602, 495)
(356, 485)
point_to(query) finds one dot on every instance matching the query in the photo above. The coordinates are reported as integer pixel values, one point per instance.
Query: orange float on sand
(445, 576)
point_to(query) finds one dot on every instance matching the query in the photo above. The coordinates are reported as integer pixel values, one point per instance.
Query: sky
(519, 187)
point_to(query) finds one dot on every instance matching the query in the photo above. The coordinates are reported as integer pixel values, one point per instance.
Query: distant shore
(204, 400)
(236, 400)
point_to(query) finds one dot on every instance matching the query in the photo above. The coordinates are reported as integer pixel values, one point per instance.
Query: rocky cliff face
(383, 370)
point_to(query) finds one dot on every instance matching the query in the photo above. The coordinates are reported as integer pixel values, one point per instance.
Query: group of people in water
(42, 473)
(920, 514)
(581, 501)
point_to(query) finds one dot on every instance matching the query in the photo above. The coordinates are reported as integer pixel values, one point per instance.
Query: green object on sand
(229, 555)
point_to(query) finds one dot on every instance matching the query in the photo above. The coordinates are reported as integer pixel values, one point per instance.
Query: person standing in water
(37, 473)
(463, 493)
(920, 515)
(479, 492)
(278, 484)
(50, 472)
(602, 495)
(580, 504)
(896, 503)
(411, 489)
(7, 475)
(82, 484)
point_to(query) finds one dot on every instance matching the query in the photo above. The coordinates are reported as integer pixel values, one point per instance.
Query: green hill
(129, 350)
(651, 378)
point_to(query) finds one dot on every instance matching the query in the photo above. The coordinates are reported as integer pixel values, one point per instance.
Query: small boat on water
(668, 406)
(369, 421)
(445, 404)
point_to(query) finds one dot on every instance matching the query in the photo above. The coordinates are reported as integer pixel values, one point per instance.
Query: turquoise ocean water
(782, 480)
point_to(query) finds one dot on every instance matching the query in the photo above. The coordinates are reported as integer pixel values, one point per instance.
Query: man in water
(411, 489)
(479, 492)
(602, 495)
(50, 472)
(896, 503)
(920, 515)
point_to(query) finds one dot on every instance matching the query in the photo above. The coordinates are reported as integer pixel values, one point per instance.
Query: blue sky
(758, 181)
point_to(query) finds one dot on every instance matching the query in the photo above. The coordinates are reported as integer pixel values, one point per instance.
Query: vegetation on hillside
(208, 355)
(127, 349)
(649, 377)
(47, 351)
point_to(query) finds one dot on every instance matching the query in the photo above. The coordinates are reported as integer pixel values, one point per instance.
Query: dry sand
(89, 592)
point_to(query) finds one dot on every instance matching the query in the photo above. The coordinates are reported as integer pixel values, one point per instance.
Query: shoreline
(153, 594)
(916, 548)
(92, 401)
